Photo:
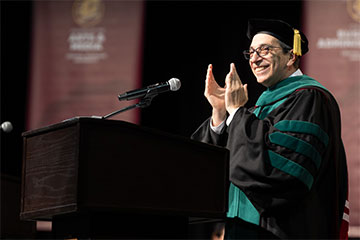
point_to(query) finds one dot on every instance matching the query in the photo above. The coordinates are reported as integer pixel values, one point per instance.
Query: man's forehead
(262, 39)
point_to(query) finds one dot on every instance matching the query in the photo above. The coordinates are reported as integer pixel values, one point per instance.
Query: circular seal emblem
(353, 7)
(88, 13)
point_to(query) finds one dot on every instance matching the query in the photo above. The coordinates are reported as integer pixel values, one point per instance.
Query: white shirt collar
(297, 73)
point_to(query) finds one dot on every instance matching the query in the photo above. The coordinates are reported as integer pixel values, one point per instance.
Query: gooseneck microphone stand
(144, 102)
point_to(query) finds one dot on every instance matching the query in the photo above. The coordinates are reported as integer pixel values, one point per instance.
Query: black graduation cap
(280, 30)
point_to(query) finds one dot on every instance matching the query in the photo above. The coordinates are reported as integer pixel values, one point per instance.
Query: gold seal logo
(88, 13)
(353, 7)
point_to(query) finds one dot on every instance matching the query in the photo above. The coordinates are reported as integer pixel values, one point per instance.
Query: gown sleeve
(206, 135)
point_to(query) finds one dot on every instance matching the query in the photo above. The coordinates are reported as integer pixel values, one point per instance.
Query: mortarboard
(280, 30)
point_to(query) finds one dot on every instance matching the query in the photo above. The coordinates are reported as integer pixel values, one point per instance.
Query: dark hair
(286, 48)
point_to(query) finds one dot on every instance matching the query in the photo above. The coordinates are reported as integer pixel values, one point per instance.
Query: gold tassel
(297, 43)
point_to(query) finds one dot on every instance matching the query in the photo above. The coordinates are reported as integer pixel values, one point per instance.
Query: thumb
(246, 90)
(232, 69)
(228, 80)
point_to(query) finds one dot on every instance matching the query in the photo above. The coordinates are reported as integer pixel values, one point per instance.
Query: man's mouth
(260, 69)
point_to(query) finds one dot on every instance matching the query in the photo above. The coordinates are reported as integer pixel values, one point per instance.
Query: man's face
(272, 67)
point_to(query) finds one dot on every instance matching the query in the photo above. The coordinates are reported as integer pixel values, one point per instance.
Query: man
(288, 168)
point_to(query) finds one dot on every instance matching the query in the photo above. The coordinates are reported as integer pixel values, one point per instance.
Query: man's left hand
(236, 94)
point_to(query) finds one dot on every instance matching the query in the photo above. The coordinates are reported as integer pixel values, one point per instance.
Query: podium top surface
(97, 121)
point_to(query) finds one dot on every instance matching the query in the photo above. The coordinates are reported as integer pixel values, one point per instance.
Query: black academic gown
(288, 168)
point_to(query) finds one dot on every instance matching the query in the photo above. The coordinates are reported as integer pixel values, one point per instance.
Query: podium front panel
(104, 165)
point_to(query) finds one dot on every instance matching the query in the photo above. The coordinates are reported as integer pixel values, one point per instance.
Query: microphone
(172, 85)
(6, 126)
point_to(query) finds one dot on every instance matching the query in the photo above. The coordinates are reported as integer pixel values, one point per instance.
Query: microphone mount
(143, 103)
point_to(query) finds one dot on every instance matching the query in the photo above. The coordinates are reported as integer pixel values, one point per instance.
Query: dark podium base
(113, 226)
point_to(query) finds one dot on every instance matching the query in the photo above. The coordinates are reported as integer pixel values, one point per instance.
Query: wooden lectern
(82, 172)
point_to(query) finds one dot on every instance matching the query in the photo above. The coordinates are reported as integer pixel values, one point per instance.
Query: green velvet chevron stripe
(291, 168)
(297, 145)
(286, 87)
(240, 206)
(269, 109)
(303, 127)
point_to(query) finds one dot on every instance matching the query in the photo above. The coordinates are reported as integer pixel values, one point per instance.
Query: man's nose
(255, 58)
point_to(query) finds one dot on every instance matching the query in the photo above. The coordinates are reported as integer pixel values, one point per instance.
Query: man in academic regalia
(288, 173)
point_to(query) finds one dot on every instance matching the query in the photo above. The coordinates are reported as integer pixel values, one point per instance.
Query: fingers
(246, 91)
(207, 79)
(209, 71)
(234, 74)
(236, 94)
(209, 74)
(232, 70)
(211, 85)
(232, 79)
(210, 79)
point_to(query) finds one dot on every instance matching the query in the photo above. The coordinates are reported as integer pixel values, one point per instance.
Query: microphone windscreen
(175, 84)
(6, 126)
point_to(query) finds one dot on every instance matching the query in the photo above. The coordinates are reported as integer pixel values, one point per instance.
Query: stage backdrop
(333, 29)
(84, 53)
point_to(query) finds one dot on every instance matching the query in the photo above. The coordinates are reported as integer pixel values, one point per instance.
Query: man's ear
(292, 58)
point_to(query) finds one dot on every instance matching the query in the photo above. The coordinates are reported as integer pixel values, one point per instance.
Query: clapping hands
(227, 99)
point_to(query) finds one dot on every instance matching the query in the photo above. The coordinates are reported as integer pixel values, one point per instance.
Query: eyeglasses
(261, 51)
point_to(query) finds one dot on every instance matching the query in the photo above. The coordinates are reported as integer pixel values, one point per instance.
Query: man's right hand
(216, 97)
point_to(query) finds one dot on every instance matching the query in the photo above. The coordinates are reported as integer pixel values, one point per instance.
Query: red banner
(333, 30)
(84, 53)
